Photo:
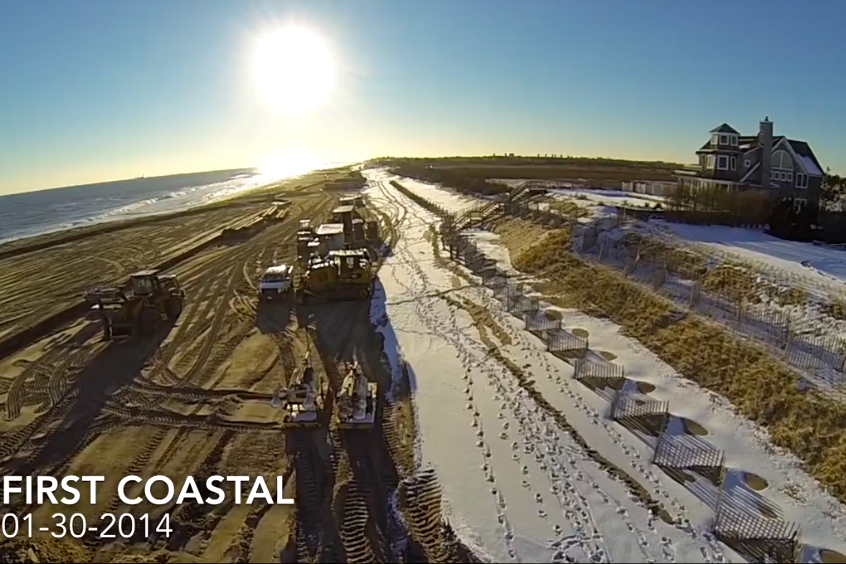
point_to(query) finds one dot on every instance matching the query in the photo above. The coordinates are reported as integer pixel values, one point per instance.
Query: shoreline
(60, 236)
(107, 252)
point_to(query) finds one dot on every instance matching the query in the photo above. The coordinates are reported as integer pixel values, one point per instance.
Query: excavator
(301, 401)
(356, 400)
(137, 308)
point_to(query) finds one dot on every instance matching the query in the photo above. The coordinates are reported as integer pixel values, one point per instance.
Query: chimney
(765, 140)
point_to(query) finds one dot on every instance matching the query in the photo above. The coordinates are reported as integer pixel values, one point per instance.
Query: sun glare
(283, 166)
(293, 70)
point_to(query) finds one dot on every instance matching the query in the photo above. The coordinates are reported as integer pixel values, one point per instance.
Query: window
(801, 180)
(781, 159)
(714, 138)
(710, 161)
(747, 163)
(733, 140)
(723, 139)
(789, 176)
(734, 163)
(722, 162)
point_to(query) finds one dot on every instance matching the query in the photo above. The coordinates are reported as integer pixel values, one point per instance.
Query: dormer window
(723, 139)
(733, 140)
(715, 138)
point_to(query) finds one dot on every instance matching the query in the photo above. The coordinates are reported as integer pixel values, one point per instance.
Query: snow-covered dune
(518, 486)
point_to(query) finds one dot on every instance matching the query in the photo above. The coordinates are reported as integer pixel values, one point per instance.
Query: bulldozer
(137, 308)
(340, 275)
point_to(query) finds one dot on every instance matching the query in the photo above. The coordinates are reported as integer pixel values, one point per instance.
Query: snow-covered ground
(779, 265)
(815, 337)
(598, 196)
(447, 199)
(821, 270)
(518, 486)
(825, 267)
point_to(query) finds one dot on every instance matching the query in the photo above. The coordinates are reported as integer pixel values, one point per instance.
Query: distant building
(757, 162)
(651, 187)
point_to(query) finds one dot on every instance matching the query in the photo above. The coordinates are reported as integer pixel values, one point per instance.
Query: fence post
(788, 339)
(695, 290)
(739, 315)
(659, 278)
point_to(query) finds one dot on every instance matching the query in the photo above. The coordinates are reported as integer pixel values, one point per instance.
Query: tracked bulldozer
(340, 275)
(138, 308)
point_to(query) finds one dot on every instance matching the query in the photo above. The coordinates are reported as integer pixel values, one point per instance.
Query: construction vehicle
(138, 307)
(305, 242)
(302, 400)
(276, 283)
(343, 274)
(356, 201)
(356, 400)
(357, 230)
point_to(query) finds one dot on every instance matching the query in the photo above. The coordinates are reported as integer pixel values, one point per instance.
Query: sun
(293, 70)
(275, 167)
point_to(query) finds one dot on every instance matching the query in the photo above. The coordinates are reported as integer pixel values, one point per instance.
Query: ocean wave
(47, 211)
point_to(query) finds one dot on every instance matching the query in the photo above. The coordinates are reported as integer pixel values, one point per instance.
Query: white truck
(276, 283)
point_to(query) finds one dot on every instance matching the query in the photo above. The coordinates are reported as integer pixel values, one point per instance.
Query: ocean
(45, 211)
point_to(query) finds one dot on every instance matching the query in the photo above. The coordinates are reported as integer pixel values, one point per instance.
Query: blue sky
(95, 90)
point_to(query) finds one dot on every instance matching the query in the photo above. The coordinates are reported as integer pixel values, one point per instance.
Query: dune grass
(732, 280)
(763, 389)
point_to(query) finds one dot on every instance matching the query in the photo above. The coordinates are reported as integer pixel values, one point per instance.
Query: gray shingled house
(757, 162)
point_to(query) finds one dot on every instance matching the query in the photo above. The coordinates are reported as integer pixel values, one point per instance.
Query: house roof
(806, 155)
(750, 172)
(724, 128)
(749, 142)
